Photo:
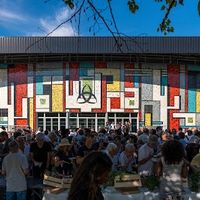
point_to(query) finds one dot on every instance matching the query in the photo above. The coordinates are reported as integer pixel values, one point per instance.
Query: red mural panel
(73, 75)
(115, 103)
(100, 65)
(128, 82)
(18, 75)
(21, 122)
(21, 88)
(103, 97)
(128, 110)
(173, 90)
(75, 110)
(129, 94)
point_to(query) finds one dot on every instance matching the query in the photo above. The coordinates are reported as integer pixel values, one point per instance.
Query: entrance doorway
(95, 121)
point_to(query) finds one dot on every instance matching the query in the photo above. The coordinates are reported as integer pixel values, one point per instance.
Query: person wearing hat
(62, 161)
(145, 154)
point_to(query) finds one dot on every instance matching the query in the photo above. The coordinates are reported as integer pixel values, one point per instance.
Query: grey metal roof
(99, 45)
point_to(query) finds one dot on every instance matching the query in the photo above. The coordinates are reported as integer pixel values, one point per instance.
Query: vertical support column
(96, 122)
(77, 121)
(67, 120)
(58, 121)
(44, 121)
(138, 123)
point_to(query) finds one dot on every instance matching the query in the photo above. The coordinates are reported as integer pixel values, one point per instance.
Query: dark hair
(173, 152)
(87, 175)
(3, 133)
(13, 146)
(17, 134)
(181, 135)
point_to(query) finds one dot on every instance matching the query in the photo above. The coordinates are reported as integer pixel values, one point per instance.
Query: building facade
(88, 93)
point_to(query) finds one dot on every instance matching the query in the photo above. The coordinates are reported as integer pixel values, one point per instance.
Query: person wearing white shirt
(145, 154)
(127, 158)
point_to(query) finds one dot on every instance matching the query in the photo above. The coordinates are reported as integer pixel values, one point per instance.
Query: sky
(39, 17)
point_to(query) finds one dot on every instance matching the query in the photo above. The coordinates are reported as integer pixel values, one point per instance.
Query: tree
(86, 6)
(106, 17)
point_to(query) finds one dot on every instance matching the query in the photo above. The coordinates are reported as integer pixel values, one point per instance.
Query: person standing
(40, 155)
(93, 172)
(172, 168)
(145, 155)
(15, 168)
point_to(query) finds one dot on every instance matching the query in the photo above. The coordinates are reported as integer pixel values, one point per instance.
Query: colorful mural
(165, 95)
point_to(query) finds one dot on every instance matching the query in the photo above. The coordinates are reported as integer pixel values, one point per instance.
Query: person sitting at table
(127, 158)
(93, 172)
(111, 151)
(63, 164)
(172, 169)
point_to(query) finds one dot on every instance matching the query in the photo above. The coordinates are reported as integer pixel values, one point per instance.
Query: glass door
(91, 123)
(55, 124)
(82, 123)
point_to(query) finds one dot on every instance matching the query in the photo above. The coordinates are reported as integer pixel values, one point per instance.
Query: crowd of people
(89, 156)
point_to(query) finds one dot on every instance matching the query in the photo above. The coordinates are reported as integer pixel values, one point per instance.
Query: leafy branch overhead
(104, 16)
(98, 13)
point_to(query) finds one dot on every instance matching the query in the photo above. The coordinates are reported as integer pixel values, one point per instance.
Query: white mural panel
(73, 102)
(42, 102)
(190, 118)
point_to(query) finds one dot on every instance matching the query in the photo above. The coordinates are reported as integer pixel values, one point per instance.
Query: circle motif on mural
(86, 96)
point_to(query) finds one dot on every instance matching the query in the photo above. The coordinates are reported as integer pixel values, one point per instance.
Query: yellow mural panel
(57, 98)
(148, 120)
(198, 101)
(31, 112)
(115, 86)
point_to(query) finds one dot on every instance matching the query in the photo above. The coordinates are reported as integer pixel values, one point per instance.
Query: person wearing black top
(40, 155)
(93, 172)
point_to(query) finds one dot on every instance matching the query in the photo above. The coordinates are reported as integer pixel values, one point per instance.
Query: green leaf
(69, 3)
(163, 7)
(133, 6)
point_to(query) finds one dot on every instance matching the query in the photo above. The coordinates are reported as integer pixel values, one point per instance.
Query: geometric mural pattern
(166, 95)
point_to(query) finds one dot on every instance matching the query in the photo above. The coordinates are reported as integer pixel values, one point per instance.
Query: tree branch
(167, 14)
(107, 26)
(64, 22)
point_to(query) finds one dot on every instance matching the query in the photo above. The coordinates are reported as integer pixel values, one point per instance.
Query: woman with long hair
(93, 172)
(172, 168)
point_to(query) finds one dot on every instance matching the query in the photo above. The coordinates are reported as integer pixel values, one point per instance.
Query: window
(51, 114)
(40, 123)
(122, 114)
(62, 114)
(101, 123)
(3, 112)
(100, 114)
(62, 123)
(73, 114)
(86, 114)
(40, 114)
(55, 124)
(72, 123)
